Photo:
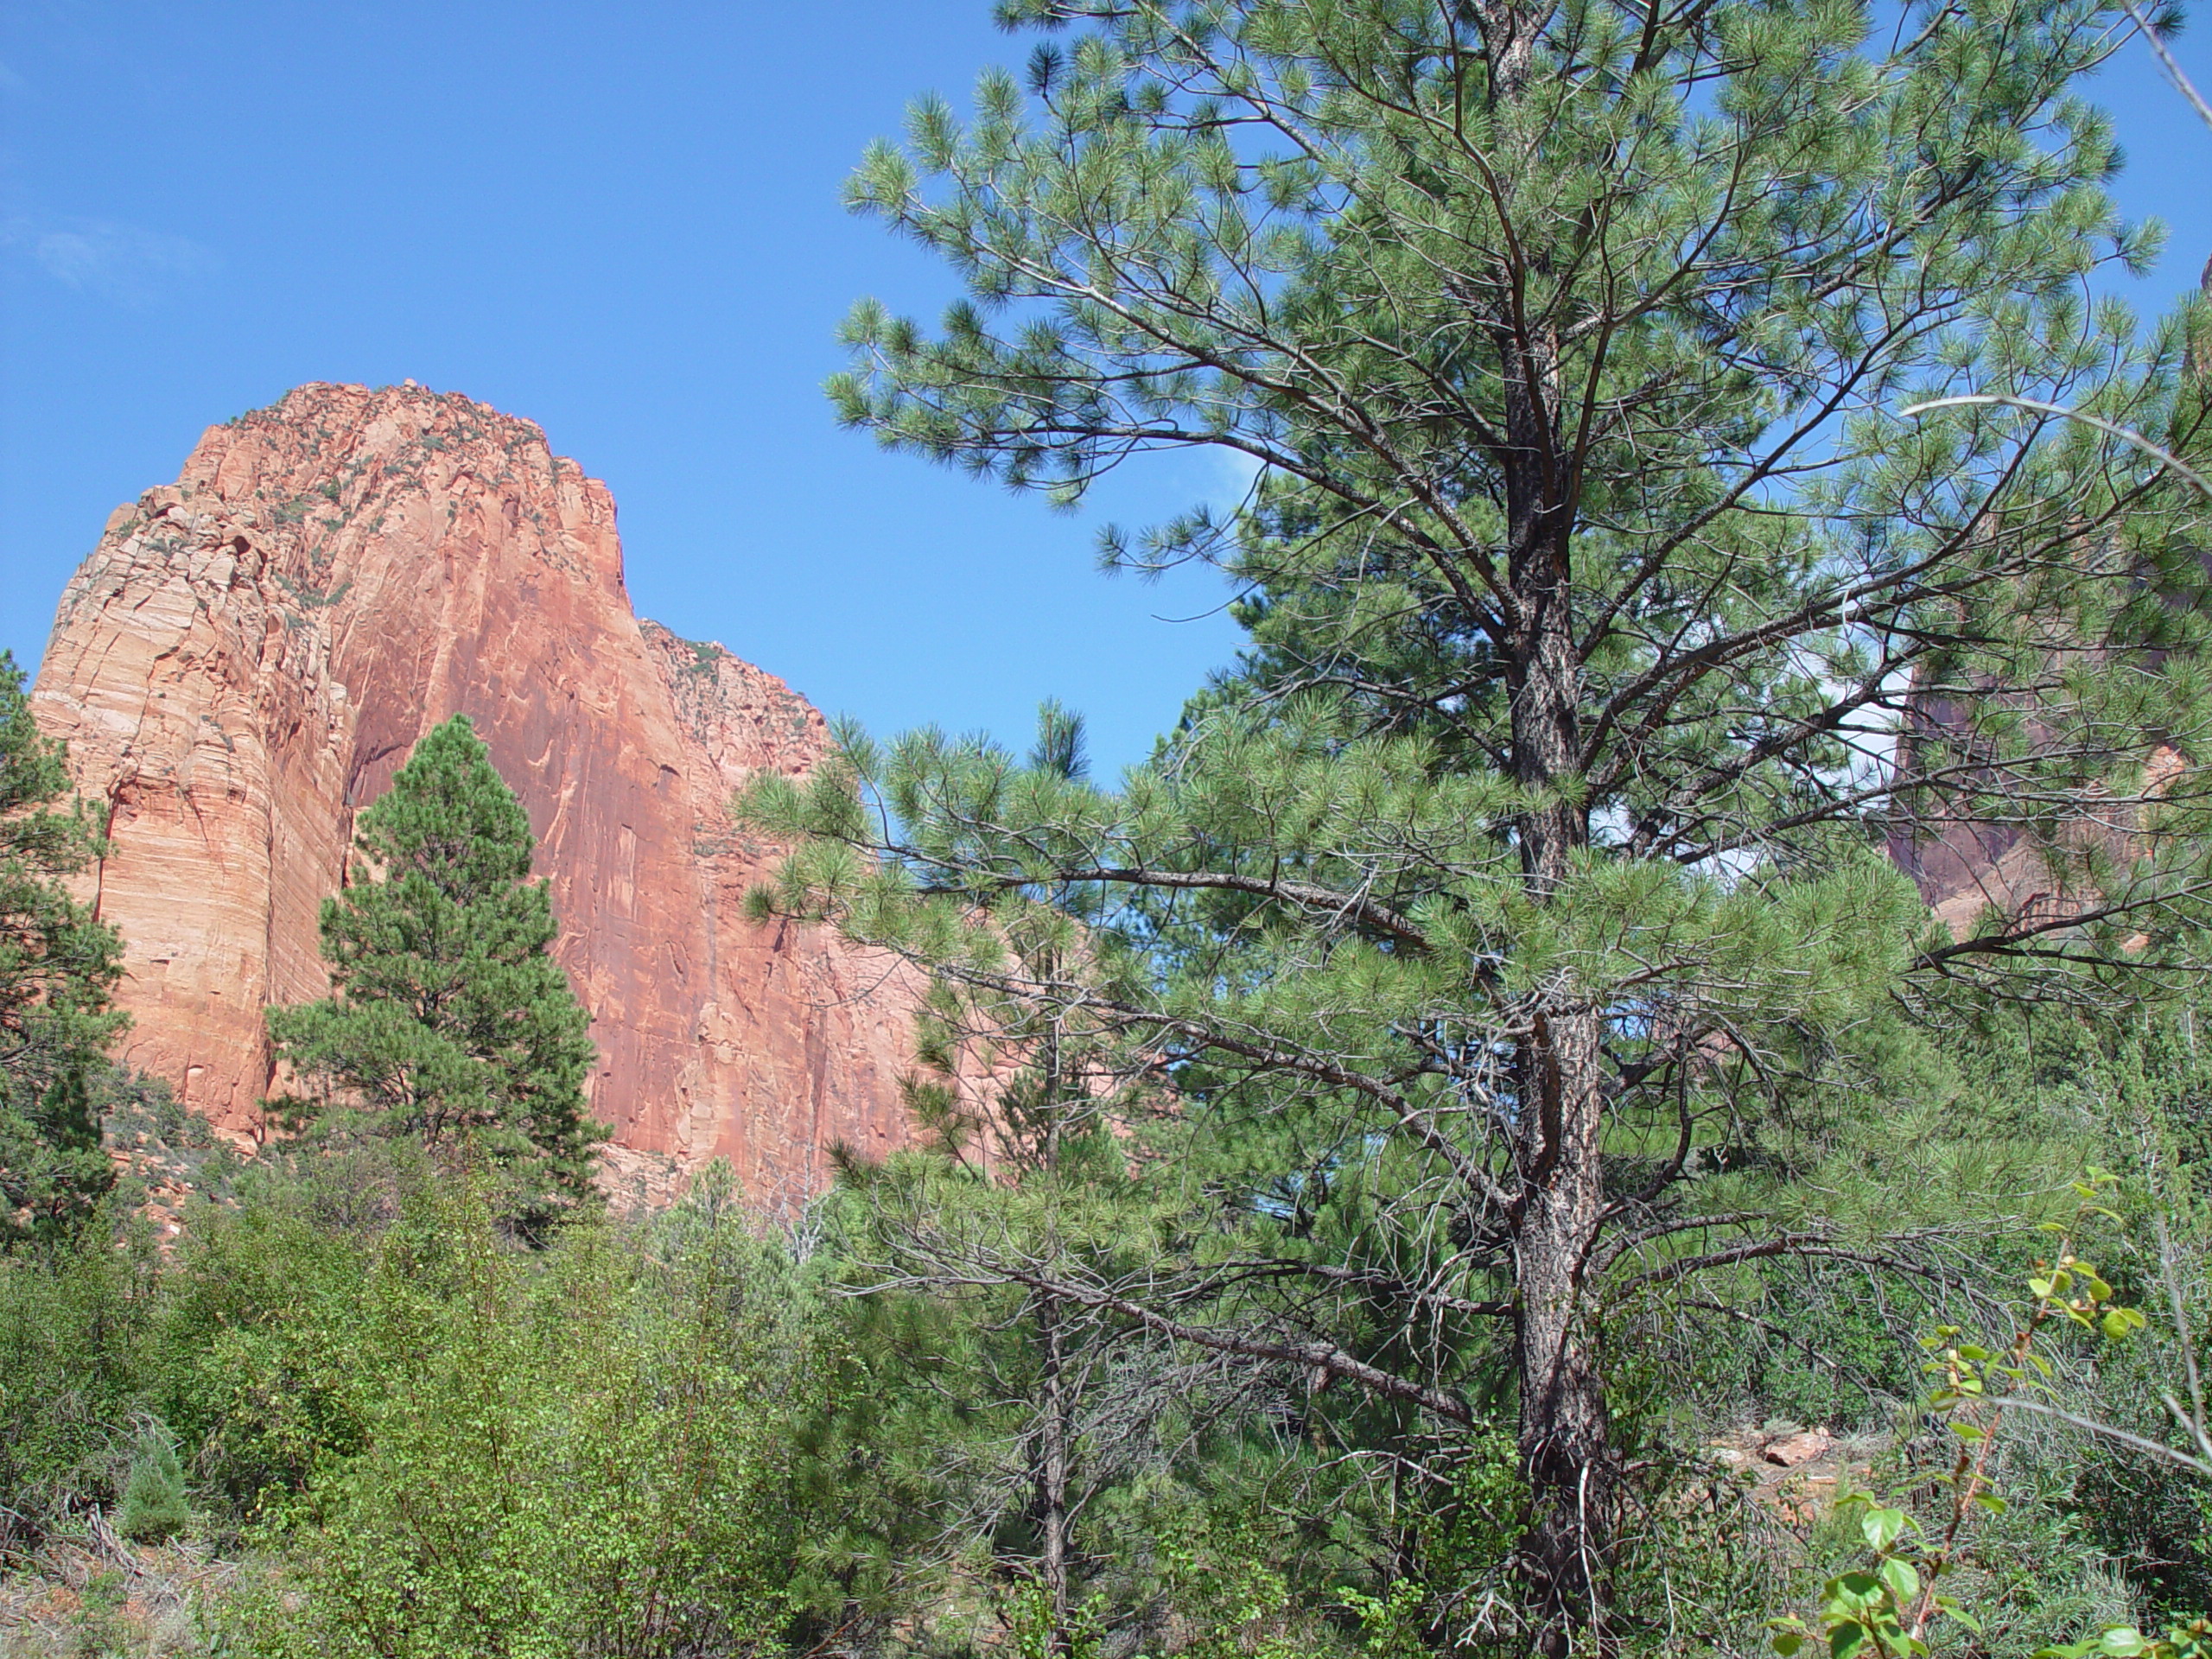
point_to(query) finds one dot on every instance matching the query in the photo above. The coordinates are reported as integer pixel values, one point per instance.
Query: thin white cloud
(127, 263)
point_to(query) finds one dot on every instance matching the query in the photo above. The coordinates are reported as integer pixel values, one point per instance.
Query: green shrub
(579, 1452)
(76, 1351)
(153, 1507)
(267, 1366)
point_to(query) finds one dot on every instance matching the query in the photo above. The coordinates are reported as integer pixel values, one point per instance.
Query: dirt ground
(103, 1596)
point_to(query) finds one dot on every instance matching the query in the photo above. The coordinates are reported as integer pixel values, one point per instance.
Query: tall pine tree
(1524, 896)
(57, 966)
(447, 1019)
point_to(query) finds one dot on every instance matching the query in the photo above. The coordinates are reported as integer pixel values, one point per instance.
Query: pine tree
(154, 1506)
(449, 1020)
(58, 969)
(1021, 1171)
(1525, 890)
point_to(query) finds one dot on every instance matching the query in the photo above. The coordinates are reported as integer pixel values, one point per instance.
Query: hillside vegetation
(1477, 1146)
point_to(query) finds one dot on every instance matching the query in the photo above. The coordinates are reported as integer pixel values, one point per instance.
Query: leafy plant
(580, 1452)
(1889, 1608)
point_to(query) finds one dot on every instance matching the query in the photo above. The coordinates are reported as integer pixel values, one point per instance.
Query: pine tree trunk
(1052, 1479)
(1052, 1458)
(1564, 1442)
(1563, 1438)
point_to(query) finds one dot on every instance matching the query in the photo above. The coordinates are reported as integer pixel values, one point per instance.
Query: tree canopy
(59, 966)
(1516, 919)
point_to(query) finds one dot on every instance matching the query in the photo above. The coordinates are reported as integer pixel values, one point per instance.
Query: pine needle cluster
(1519, 922)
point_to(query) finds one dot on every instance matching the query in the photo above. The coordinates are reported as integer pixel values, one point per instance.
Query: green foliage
(1036, 1630)
(1365, 1148)
(58, 967)
(262, 1370)
(154, 1506)
(2190, 1639)
(1517, 922)
(449, 1020)
(587, 1456)
(78, 1326)
(2133, 1093)
(1895, 1603)
(427, 1439)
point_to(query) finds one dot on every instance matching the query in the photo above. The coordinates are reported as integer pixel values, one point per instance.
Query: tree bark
(1052, 1477)
(1564, 1444)
(1053, 1406)
(1564, 1440)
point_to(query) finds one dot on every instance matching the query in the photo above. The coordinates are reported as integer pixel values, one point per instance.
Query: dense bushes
(692, 1434)
(673, 1436)
(77, 1335)
(586, 1454)
(434, 1442)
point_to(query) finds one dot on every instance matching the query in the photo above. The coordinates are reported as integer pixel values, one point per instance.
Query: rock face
(1969, 861)
(248, 657)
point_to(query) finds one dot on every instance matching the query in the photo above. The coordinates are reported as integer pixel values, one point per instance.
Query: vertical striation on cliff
(246, 658)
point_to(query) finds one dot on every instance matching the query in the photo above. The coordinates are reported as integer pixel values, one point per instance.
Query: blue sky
(621, 221)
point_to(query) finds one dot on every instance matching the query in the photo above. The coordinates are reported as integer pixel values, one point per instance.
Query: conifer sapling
(448, 1018)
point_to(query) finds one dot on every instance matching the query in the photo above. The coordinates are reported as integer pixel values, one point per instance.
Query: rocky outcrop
(1965, 842)
(249, 655)
(1979, 870)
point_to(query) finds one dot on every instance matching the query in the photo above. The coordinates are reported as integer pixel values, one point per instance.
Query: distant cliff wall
(248, 656)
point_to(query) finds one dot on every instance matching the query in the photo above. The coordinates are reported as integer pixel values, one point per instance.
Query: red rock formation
(1969, 854)
(250, 654)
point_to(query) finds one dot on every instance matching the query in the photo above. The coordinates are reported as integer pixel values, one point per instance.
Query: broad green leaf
(1903, 1580)
(1882, 1526)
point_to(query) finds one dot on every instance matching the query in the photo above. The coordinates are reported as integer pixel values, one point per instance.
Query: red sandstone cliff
(247, 658)
(1969, 856)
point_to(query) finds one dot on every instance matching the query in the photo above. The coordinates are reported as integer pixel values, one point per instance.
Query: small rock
(1790, 1450)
